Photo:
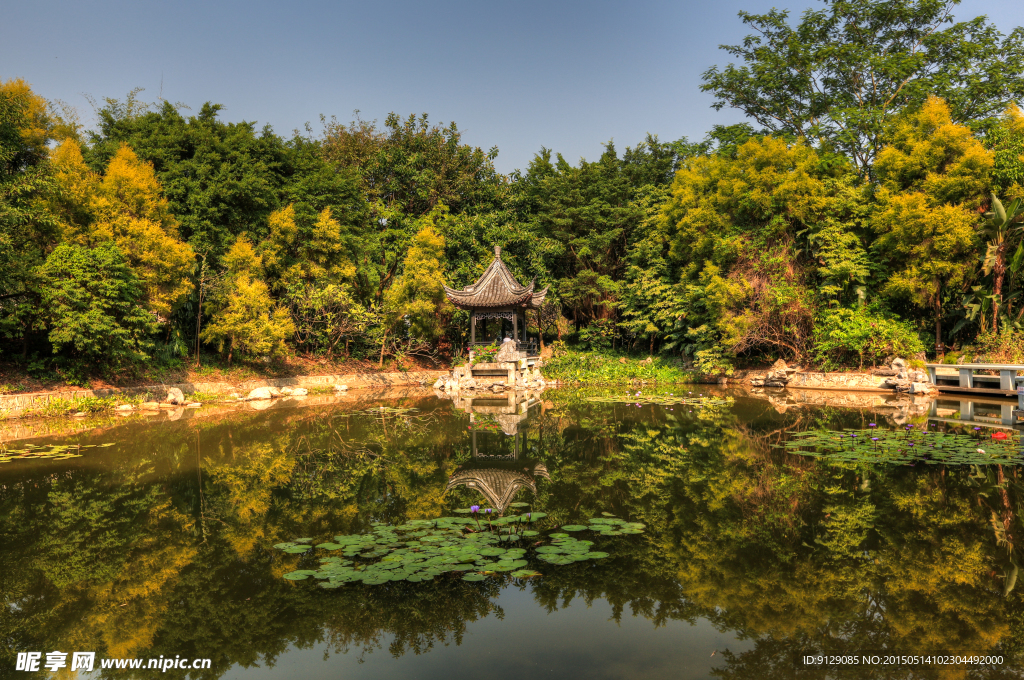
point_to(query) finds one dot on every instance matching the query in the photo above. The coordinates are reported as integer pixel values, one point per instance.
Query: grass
(607, 367)
(63, 407)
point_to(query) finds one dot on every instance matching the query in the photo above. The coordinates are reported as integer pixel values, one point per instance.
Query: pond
(708, 536)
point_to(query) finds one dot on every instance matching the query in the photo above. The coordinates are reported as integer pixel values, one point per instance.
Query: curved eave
(537, 299)
(486, 299)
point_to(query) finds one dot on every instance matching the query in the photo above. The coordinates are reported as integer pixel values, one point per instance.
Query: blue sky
(568, 75)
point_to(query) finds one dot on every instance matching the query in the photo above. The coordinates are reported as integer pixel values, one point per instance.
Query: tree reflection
(161, 545)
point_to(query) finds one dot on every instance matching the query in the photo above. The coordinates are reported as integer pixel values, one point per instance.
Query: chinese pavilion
(497, 295)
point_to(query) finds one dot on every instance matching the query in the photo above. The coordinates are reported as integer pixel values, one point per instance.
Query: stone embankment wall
(12, 405)
(898, 377)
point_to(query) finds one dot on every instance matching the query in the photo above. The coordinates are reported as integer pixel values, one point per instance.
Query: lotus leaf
(573, 527)
(473, 577)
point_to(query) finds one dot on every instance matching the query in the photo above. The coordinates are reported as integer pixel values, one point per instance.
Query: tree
(126, 205)
(27, 227)
(406, 170)
(417, 299)
(244, 318)
(739, 231)
(933, 174)
(90, 304)
(843, 72)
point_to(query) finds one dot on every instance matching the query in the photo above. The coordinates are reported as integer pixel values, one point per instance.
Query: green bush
(606, 367)
(846, 337)
(90, 304)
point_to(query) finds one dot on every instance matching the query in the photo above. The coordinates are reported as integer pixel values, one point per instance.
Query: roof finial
(497, 251)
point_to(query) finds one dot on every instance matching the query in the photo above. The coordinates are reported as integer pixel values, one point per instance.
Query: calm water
(161, 545)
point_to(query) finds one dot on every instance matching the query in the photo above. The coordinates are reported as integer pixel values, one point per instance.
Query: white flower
(981, 450)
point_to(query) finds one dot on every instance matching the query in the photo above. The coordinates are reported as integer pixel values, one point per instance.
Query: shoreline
(26, 404)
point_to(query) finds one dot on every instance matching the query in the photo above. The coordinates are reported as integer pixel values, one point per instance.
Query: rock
(261, 393)
(439, 383)
(300, 392)
(193, 404)
(287, 391)
(165, 405)
(622, 360)
(757, 382)
(149, 405)
(921, 356)
(778, 375)
(125, 407)
(919, 387)
(903, 375)
(917, 376)
(235, 395)
(261, 404)
(507, 352)
(80, 414)
(341, 388)
(898, 364)
(498, 387)
(174, 396)
(468, 384)
(884, 371)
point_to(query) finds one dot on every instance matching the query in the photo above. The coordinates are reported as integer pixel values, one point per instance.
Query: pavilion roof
(497, 287)
(497, 485)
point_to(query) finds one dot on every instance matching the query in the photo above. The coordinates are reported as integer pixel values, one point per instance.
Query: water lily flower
(874, 439)
(871, 425)
(981, 450)
(976, 429)
(999, 435)
(488, 511)
(474, 508)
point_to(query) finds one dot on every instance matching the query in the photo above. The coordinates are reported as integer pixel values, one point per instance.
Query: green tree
(406, 169)
(91, 304)
(417, 299)
(843, 72)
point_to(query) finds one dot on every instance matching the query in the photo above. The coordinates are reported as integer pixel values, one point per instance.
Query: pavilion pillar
(472, 329)
(515, 325)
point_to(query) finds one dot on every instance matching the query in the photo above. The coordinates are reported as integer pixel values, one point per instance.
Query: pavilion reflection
(500, 435)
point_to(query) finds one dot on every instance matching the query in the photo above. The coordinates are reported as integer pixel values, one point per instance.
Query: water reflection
(160, 545)
(502, 465)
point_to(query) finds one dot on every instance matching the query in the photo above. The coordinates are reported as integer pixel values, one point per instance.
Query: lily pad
(526, 573)
(473, 577)
(574, 527)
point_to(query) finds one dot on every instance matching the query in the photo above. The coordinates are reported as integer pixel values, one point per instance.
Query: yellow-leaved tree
(296, 253)
(244, 317)
(126, 205)
(933, 175)
(417, 298)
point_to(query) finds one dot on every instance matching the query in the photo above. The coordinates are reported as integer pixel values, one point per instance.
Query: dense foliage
(857, 222)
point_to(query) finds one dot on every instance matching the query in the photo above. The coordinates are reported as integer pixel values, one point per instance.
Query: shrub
(90, 304)
(845, 336)
(1004, 347)
(606, 367)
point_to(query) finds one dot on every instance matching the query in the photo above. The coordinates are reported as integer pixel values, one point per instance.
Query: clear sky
(565, 74)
